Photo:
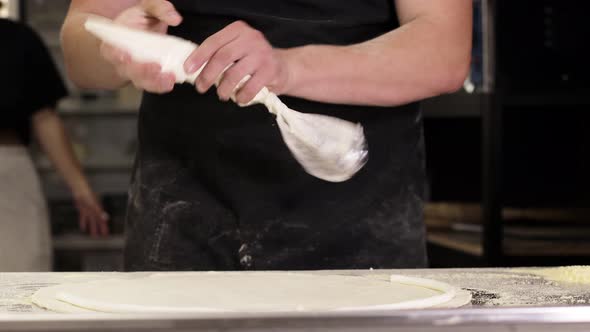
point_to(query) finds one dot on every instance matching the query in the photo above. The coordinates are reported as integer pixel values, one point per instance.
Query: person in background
(215, 187)
(30, 87)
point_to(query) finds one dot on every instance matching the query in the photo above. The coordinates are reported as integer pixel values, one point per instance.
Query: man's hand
(149, 15)
(92, 217)
(248, 52)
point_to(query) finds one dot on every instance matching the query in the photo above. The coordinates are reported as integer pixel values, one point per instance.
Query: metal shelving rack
(491, 124)
(491, 247)
(496, 96)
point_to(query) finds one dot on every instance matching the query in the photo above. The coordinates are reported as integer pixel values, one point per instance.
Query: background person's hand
(252, 54)
(148, 15)
(92, 217)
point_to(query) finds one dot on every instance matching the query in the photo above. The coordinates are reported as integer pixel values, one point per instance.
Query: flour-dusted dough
(216, 292)
(569, 274)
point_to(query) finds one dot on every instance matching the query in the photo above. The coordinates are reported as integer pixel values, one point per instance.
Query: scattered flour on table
(568, 274)
(511, 288)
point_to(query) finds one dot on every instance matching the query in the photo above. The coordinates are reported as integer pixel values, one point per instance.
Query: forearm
(84, 64)
(53, 139)
(411, 63)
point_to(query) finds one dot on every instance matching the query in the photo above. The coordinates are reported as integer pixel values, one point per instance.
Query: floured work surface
(566, 274)
(489, 287)
(249, 292)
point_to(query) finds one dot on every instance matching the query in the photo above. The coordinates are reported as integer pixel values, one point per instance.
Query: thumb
(162, 10)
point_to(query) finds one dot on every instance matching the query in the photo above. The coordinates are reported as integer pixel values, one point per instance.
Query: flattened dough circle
(247, 292)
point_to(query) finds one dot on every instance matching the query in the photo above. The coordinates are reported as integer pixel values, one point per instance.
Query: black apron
(216, 188)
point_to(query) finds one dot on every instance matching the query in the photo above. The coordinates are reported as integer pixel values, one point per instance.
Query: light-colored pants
(25, 240)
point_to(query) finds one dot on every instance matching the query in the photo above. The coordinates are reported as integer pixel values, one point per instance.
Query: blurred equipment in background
(9, 9)
(541, 46)
(102, 127)
(531, 193)
(31, 87)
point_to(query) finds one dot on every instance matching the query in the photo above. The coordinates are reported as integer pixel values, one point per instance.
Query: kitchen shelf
(79, 242)
(460, 104)
(462, 242)
(544, 99)
(529, 234)
(445, 213)
(126, 167)
(99, 106)
(471, 243)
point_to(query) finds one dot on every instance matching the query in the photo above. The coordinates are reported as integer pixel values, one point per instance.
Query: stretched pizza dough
(243, 292)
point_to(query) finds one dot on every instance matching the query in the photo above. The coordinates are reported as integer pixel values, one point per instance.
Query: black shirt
(30, 80)
(352, 13)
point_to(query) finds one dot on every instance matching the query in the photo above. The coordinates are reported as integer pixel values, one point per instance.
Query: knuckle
(223, 92)
(226, 55)
(143, 73)
(264, 60)
(137, 84)
(257, 61)
(152, 73)
(157, 6)
(239, 24)
(122, 71)
(267, 51)
(234, 78)
(243, 98)
(207, 81)
(224, 88)
(259, 34)
(254, 88)
(149, 86)
(247, 93)
(166, 6)
(148, 5)
(207, 75)
(256, 35)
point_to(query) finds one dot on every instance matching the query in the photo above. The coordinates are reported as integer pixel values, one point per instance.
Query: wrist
(80, 188)
(290, 71)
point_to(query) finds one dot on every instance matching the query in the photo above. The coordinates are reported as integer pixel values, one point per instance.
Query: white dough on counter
(245, 292)
(569, 274)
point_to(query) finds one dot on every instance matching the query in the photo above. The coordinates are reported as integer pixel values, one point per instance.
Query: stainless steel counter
(503, 300)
